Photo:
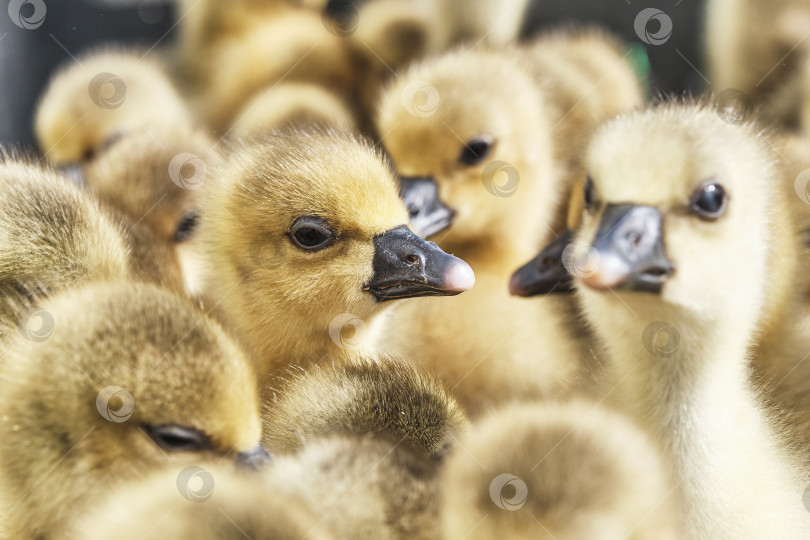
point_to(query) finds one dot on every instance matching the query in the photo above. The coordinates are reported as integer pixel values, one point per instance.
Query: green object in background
(637, 56)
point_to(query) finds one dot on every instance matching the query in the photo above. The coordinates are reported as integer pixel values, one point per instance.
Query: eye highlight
(709, 201)
(312, 233)
(476, 150)
(174, 438)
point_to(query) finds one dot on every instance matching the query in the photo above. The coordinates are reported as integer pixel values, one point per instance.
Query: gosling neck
(692, 392)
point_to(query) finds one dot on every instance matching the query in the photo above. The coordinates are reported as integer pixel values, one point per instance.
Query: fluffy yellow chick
(105, 94)
(136, 378)
(674, 281)
(307, 240)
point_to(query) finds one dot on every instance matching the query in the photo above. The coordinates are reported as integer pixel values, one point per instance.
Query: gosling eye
(588, 193)
(476, 150)
(709, 201)
(312, 234)
(186, 227)
(174, 438)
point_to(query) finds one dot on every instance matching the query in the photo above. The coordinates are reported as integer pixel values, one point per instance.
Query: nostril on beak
(413, 259)
(547, 262)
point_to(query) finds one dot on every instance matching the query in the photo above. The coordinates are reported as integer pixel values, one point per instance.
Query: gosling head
(677, 211)
(88, 105)
(154, 178)
(304, 226)
(468, 135)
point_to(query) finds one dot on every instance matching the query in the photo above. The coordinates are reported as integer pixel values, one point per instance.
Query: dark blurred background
(27, 56)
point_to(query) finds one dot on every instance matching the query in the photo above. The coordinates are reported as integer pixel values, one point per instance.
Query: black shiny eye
(709, 201)
(587, 193)
(186, 227)
(312, 234)
(476, 150)
(174, 438)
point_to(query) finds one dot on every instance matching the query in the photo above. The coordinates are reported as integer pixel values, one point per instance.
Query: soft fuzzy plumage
(365, 487)
(57, 236)
(492, 347)
(731, 464)
(223, 504)
(52, 233)
(588, 473)
(78, 404)
(106, 94)
(292, 103)
(291, 306)
(360, 396)
(154, 178)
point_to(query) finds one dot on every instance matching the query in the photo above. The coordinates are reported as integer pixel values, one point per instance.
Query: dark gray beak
(628, 251)
(254, 459)
(429, 215)
(546, 273)
(407, 266)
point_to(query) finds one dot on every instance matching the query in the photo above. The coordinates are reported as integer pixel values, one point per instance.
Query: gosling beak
(628, 252)
(73, 172)
(406, 266)
(255, 458)
(429, 215)
(546, 273)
